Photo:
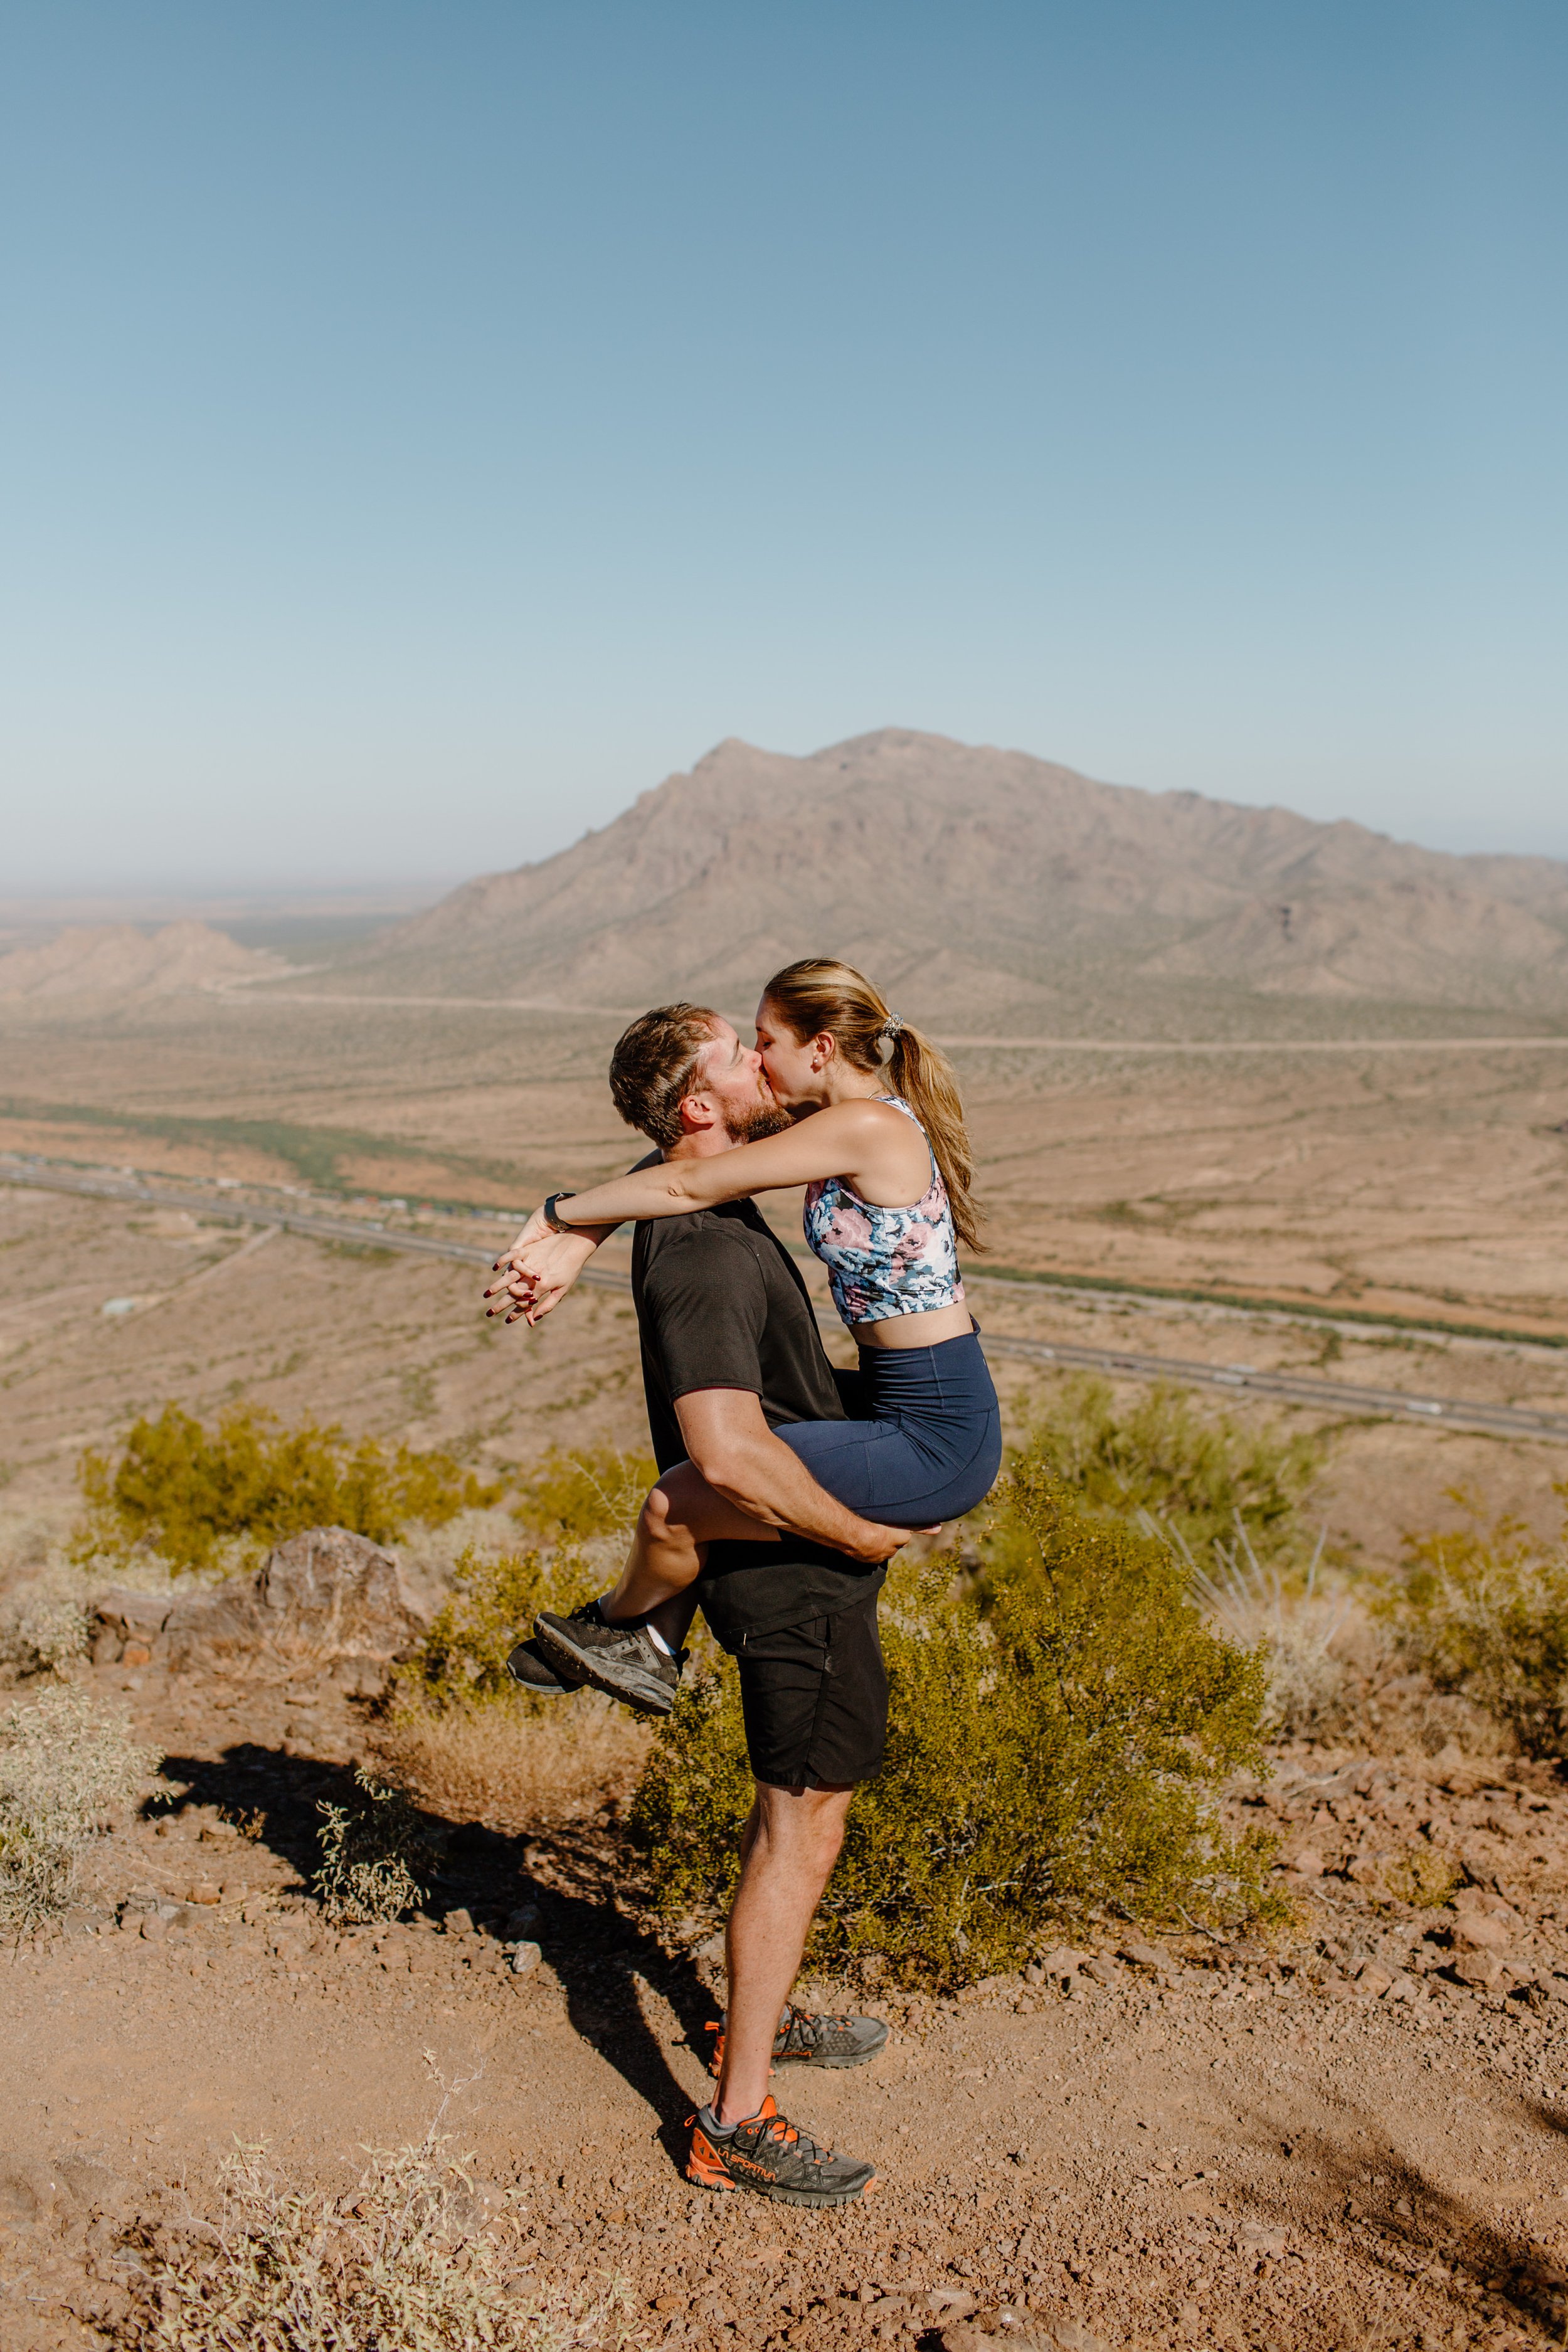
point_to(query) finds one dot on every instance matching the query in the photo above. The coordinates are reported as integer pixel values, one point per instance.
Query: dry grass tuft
(1314, 1690)
(374, 1855)
(513, 1766)
(64, 1765)
(44, 1622)
(417, 2257)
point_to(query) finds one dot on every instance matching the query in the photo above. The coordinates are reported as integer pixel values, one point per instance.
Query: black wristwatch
(555, 1224)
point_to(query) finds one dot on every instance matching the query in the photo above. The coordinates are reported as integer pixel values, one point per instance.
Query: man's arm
(728, 1439)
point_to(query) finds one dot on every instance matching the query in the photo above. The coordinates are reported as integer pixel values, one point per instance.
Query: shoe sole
(649, 1697)
(542, 1690)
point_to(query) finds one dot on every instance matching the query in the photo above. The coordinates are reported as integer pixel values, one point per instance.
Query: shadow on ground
(1403, 2221)
(601, 1957)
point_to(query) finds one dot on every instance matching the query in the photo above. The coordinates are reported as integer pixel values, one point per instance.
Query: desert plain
(1199, 2145)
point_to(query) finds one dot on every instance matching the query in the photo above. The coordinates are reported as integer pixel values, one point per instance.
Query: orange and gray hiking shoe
(774, 2157)
(803, 2040)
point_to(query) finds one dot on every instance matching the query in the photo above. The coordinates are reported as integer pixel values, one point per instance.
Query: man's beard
(749, 1123)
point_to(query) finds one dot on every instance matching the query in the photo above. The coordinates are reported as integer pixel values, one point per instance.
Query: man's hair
(654, 1067)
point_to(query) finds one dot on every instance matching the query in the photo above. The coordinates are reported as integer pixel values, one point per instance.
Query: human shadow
(599, 1951)
(1401, 2209)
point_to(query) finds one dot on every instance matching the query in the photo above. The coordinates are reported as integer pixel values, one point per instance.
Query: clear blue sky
(422, 426)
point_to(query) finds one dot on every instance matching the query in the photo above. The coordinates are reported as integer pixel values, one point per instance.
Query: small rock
(204, 1891)
(479, 2202)
(155, 1927)
(1074, 2339)
(459, 1922)
(1306, 1862)
(1480, 1931)
(1403, 1988)
(1061, 1961)
(952, 2302)
(1144, 1956)
(669, 2302)
(1337, 1988)
(34, 2191)
(525, 1959)
(1374, 1977)
(94, 2187)
(1482, 1968)
(961, 2337)
(136, 1653)
(1103, 1970)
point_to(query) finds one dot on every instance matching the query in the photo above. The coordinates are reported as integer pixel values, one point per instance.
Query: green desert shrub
(493, 1601)
(375, 1855)
(194, 1495)
(65, 1764)
(1483, 1611)
(573, 1497)
(1200, 1474)
(1056, 1750)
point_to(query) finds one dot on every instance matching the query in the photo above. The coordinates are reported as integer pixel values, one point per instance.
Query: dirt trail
(1217, 2150)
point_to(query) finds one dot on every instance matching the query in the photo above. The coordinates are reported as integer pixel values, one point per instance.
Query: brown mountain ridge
(986, 887)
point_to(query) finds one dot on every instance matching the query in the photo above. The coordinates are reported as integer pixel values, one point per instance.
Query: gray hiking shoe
(623, 1659)
(529, 1667)
(803, 2040)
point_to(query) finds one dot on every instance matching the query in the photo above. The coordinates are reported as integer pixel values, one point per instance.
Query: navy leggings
(927, 1445)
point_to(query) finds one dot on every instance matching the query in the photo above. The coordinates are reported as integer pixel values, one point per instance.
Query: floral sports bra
(884, 1262)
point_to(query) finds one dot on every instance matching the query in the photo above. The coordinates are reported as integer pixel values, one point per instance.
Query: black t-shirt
(720, 1305)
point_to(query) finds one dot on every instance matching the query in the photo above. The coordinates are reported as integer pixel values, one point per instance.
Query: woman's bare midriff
(915, 1330)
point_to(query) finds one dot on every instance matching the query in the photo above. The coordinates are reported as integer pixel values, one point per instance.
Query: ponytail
(821, 996)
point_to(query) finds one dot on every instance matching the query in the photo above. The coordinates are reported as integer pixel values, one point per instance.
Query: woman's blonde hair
(819, 996)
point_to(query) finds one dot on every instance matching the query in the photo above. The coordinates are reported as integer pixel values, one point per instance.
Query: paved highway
(1335, 1397)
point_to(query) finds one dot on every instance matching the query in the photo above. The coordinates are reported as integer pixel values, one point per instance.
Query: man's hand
(537, 1274)
(728, 1441)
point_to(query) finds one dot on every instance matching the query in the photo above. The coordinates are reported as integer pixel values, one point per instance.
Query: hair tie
(887, 1038)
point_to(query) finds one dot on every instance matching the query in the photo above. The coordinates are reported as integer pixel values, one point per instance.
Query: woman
(878, 1141)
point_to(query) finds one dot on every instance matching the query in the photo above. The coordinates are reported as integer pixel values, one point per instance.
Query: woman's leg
(682, 1516)
(929, 1446)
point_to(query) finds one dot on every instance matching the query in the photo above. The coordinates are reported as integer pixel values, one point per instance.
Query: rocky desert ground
(1352, 2136)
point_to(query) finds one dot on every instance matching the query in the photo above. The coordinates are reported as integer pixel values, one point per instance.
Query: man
(730, 1349)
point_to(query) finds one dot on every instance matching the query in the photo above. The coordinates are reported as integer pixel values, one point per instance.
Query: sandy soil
(1331, 2144)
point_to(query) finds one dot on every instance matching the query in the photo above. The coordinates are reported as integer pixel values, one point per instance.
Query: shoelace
(801, 2024)
(785, 2133)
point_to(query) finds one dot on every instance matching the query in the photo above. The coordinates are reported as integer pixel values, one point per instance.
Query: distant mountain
(117, 960)
(983, 886)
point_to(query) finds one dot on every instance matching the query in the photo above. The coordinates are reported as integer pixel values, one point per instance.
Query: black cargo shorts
(815, 1699)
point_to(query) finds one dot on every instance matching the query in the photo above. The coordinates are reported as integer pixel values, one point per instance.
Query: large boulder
(327, 1598)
